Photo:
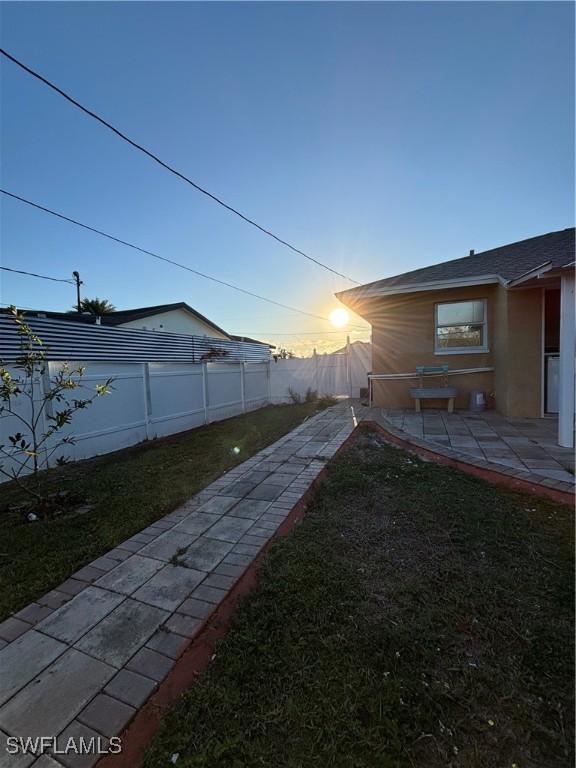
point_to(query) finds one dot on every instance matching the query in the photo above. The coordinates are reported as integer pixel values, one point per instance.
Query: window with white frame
(461, 327)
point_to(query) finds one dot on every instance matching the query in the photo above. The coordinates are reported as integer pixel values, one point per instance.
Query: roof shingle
(507, 262)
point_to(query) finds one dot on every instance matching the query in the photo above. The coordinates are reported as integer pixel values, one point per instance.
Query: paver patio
(82, 659)
(528, 445)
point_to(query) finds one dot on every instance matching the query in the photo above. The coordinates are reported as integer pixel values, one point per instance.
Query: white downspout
(567, 364)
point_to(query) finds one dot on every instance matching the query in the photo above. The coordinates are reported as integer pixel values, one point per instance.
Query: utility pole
(76, 276)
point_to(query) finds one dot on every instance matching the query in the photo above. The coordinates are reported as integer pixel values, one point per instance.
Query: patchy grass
(129, 490)
(417, 617)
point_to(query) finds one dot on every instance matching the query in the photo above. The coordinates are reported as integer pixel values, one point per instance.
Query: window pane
(460, 336)
(461, 312)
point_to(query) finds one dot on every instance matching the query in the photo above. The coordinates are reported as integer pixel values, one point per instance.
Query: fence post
(348, 366)
(205, 391)
(243, 385)
(44, 387)
(147, 398)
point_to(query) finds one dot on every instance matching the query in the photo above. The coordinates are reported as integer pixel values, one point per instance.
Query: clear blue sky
(377, 137)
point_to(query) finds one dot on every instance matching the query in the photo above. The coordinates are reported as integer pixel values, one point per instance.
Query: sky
(377, 137)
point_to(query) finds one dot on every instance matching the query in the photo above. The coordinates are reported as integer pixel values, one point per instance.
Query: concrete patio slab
(39, 649)
(77, 731)
(13, 761)
(266, 492)
(205, 553)
(117, 637)
(218, 504)
(196, 523)
(230, 528)
(168, 643)
(129, 575)
(106, 715)
(167, 545)
(197, 609)
(12, 628)
(74, 619)
(240, 488)
(167, 588)
(252, 509)
(130, 687)
(45, 761)
(52, 700)
(150, 664)
(527, 445)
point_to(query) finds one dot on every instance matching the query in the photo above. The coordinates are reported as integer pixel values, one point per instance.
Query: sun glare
(339, 318)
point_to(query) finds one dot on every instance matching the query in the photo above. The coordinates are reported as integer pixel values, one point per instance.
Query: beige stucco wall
(403, 338)
(175, 321)
(500, 348)
(523, 354)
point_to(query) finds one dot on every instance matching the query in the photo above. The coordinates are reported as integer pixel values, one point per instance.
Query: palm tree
(97, 306)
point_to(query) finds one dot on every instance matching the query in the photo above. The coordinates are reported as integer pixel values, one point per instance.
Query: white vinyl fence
(162, 384)
(148, 400)
(341, 374)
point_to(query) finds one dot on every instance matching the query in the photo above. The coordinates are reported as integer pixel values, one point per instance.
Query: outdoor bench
(433, 393)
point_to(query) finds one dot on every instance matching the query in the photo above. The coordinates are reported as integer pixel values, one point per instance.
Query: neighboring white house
(170, 318)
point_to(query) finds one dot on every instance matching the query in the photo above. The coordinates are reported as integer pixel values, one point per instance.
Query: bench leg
(417, 404)
(451, 405)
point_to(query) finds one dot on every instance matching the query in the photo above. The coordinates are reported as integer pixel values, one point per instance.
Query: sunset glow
(339, 318)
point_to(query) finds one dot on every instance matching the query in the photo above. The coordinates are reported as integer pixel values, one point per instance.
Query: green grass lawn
(417, 617)
(129, 490)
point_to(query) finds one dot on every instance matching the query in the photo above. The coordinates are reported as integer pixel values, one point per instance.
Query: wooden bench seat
(433, 393)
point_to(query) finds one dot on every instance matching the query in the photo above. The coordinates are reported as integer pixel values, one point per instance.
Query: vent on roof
(472, 252)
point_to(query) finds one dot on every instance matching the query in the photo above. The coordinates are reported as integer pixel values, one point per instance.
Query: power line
(33, 274)
(172, 170)
(160, 258)
(344, 332)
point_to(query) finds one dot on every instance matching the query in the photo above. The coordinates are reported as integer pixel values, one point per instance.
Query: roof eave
(544, 274)
(358, 294)
(150, 312)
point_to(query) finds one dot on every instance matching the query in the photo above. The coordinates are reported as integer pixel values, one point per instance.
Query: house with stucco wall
(501, 320)
(178, 317)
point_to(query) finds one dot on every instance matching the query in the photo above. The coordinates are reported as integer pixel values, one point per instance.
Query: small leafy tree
(51, 406)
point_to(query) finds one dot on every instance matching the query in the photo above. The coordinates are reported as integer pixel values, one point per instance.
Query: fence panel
(256, 392)
(10, 424)
(224, 386)
(360, 366)
(113, 421)
(340, 374)
(176, 397)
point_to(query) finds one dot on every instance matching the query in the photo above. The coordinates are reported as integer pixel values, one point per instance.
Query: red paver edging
(500, 478)
(138, 735)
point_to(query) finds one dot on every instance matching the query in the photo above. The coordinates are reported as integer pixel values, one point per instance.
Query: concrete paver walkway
(82, 659)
